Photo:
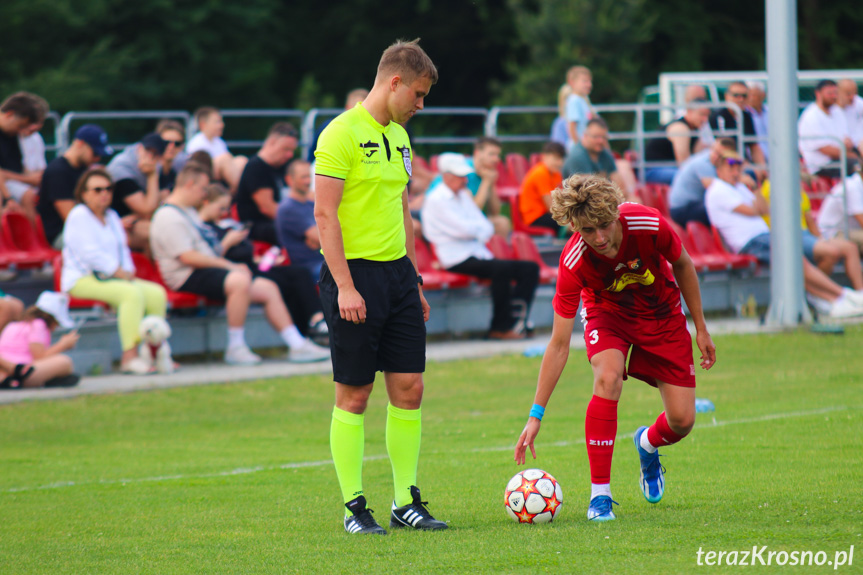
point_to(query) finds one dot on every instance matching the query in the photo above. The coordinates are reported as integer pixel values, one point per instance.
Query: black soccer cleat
(361, 521)
(415, 514)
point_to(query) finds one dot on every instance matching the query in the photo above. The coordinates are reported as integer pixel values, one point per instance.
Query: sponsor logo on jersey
(624, 280)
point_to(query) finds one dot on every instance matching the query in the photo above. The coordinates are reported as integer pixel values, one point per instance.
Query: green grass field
(236, 478)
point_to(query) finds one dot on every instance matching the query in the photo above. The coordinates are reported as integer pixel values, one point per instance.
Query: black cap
(154, 142)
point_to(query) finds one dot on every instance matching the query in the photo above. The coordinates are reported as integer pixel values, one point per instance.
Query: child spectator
(25, 346)
(559, 128)
(578, 110)
(534, 201)
(227, 167)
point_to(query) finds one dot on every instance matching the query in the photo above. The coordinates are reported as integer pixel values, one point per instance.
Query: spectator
(174, 157)
(592, 156)
(560, 126)
(29, 359)
(295, 220)
(21, 114)
(11, 309)
(226, 167)
(534, 200)
(57, 194)
(97, 265)
(736, 212)
(852, 106)
(458, 230)
(295, 282)
(833, 214)
(578, 110)
(259, 192)
(697, 93)
(757, 110)
(353, 98)
(191, 259)
(135, 172)
(686, 196)
(681, 140)
(822, 119)
(725, 119)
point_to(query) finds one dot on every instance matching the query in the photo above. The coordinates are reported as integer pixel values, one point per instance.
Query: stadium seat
(707, 241)
(702, 262)
(74, 302)
(499, 248)
(534, 159)
(420, 161)
(433, 163)
(21, 234)
(506, 186)
(524, 248)
(655, 196)
(260, 248)
(146, 269)
(518, 224)
(434, 277)
(518, 166)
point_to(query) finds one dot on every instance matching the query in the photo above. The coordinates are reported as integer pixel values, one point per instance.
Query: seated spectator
(534, 199)
(29, 359)
(578, 110)
(458, 230)
(97, 265)
(725, 119)
(174, 157)
(295, 220)
(824, 118)
(560, 126)
(852, 107)
(757, 110)
(693, 93)
(833, 216)
(191, 259)
(592, 156)
(226, 167)
(57, 194)
(682, 139)
(21, 115)
(736, 212)
(296, 285)
(11, 309)
(686, 196)
(135, 172)
(259, 192)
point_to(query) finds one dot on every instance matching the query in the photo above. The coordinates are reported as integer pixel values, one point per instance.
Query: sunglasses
(100, 189)
(177, 143)
(733, 162)
(738, 94)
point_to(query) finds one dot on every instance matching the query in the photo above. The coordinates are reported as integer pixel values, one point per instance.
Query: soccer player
(370, 289)
(617, 263)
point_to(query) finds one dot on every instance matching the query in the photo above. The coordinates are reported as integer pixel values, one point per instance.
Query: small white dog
(154, 347)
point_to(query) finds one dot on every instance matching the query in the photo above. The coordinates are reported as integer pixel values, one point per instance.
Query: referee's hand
(352, 306)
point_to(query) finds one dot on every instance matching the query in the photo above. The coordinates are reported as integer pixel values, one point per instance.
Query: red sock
(660, 433)
(600, 429)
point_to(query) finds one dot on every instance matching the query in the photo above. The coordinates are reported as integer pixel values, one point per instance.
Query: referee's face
(407, 99)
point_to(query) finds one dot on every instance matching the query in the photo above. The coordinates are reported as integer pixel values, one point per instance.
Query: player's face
(408, 99)
(605, 238)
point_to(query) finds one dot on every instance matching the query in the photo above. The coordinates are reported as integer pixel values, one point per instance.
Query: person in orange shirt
(534, 200)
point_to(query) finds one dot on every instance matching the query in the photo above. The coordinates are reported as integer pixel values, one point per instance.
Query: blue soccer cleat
(652, 473)
(600, 509)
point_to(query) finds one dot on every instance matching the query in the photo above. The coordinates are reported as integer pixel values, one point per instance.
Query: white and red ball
(533, 496)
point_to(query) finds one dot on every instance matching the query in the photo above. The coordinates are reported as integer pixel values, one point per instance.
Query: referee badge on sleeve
(406, 156)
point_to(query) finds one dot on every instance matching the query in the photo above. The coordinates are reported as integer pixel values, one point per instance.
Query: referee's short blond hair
(408, 60)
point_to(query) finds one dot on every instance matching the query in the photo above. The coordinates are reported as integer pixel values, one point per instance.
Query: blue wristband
(537, 411)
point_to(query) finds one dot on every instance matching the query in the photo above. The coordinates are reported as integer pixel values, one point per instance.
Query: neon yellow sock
(404, 432)
(347, 441)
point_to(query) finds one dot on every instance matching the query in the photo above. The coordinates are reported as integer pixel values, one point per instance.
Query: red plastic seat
(429, 267)
(524, 248)
(421, 162)
(20, 234)
(518, 224)
(499, 248)
(534, 159)
(656, 196)
(702, 262)
(506, 186)
(433, 165)
(518, 166)
(146, 269)
(707, 241)
(74, 302)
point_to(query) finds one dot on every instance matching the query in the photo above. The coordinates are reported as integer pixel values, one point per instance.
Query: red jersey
(638, 282)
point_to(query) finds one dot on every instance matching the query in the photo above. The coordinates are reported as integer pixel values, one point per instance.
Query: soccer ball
(533, 496)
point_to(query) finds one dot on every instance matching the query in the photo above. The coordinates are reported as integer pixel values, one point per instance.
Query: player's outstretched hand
(707, 348)
(525, 440)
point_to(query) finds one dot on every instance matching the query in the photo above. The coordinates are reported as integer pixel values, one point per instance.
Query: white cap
(454, 164)
(57, 304)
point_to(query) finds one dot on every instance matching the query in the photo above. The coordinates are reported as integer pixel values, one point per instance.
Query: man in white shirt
(457, 228)
(758, 110)
(824, 118)
(737, 213)
(852, 107)
(226, 166)
(834, 210)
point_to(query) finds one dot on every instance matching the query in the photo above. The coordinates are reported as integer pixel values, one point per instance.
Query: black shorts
(393, 337)
(208, 282)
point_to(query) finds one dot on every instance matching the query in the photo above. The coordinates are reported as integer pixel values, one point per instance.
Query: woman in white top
(97, 265)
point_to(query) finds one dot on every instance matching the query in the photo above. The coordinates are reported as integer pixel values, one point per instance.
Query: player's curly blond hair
(585, 200)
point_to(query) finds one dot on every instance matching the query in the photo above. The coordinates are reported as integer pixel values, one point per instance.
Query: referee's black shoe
(361, 521)
(415, 514)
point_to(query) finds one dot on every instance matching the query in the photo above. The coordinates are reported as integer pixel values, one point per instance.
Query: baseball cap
(57, 304)
(154, 141)
(95, 137)
(454, 164)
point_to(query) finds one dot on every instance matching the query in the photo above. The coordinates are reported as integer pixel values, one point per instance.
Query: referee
(370, 289)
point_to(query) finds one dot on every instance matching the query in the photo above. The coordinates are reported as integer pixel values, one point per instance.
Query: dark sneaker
(361, 521)
(415, 514)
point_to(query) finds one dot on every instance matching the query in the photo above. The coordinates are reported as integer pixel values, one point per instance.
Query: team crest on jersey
(635, 264)
(406, 156)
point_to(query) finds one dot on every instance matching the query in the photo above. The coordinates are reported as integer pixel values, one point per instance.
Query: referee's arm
(411, 249)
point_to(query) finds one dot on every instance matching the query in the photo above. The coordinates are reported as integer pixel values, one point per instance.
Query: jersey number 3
(594, 337)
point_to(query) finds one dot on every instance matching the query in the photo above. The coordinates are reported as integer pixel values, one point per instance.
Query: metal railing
(285, 114)
(64, 133)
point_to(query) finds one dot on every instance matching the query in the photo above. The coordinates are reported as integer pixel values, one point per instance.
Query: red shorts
(661, 348)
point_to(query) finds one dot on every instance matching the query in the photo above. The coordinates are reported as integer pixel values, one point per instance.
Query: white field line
(326, 462)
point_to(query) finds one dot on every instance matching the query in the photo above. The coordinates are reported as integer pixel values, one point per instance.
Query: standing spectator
(534, 200)
(578, 110)
(725, 119)
(97, 265)
(226, 167)
(21, 114)
(174, 158)
(852, 107)
(758, 111)
(560, 126)
(681, 140)
(135, 171)
(260, 189)
(820, 119)
(591, 155)
(26, 344)
(697, 93)
(459, 231)
(191, 259)
(295, 220)
(57, 194)
(737, 213)
(833, 217)
(353, 98)
(686, 196)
